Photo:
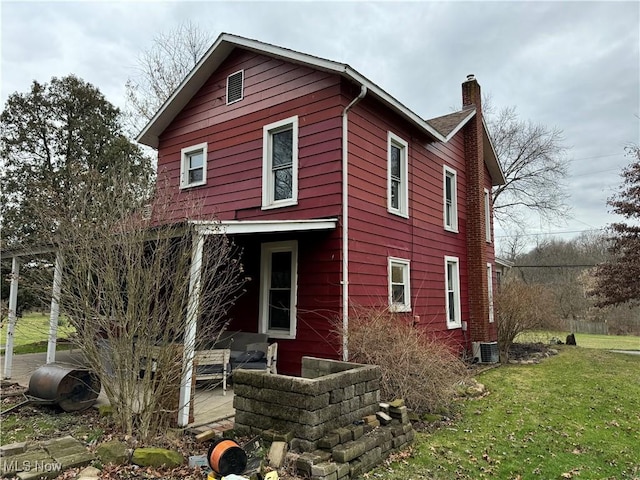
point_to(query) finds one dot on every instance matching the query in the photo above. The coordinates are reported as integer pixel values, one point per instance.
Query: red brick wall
(476, 241)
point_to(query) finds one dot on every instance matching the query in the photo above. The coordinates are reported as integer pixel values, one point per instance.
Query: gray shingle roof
(446, 124)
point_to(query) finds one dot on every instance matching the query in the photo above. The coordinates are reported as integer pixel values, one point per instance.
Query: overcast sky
(571, 65)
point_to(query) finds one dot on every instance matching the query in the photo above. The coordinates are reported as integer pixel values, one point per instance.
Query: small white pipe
(345, 223)
(54, 314)
(13, 317)
(195, 276)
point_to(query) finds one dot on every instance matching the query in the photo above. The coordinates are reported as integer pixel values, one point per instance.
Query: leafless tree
(521, 308)
(126, 287)
(514, 243)
(533, 159)
(161, 68)
(567, 268)
(558, 265)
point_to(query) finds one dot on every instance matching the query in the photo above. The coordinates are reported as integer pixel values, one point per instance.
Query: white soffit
(232, 227)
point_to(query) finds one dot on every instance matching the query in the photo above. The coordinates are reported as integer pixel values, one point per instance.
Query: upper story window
(235, 87)
(452, 299)
(397, 181)
(450, 200)
(487, 215)
(399, 286)
(193, 167)
(280, 163)
(278, 292)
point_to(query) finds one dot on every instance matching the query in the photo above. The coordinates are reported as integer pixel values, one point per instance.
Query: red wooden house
(339, 195)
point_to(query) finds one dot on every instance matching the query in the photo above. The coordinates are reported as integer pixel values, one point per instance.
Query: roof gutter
(345, 222)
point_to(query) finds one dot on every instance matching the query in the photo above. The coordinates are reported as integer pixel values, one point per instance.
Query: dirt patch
(530, 351)
(11, 389)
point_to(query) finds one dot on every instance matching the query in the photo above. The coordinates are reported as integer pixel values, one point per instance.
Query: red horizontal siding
(318, 302)
(234, 137)
(375, 234)
(274, 90)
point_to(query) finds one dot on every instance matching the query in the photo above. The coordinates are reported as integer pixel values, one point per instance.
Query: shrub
(522, 307)
(415, 367)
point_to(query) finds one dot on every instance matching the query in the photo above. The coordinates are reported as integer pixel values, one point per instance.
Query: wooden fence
(598, 328)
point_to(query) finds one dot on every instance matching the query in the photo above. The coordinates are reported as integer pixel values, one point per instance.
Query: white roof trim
(231, 227)
(472, 112)
(503, 262)
(495, 169)
(219, 51)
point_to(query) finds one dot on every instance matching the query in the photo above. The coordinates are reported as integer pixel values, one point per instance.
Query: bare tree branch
(533, 159)
(161, 68)
(125, 289)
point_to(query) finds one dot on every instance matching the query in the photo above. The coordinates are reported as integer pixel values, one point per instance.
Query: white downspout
(345, 224)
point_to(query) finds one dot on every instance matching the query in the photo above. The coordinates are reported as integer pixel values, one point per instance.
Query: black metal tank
(72, 387)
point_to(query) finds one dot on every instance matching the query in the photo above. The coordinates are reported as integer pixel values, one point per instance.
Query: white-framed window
(235, 87)
(397, 175)
(399, 285)
(490, 291)
(278, 288)
(452, 285)
(487, 215)
(280, 163)
(450, 197)
(193, 166)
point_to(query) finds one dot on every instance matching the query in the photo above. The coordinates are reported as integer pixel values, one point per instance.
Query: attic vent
(235, 84)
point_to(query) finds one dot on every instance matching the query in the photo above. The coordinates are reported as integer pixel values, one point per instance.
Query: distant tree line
(569, 274)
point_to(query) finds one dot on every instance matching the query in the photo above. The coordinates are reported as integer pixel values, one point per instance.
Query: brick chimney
(478, 322)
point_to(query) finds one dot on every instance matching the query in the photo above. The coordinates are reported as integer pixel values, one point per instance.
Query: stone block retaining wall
(329, 414)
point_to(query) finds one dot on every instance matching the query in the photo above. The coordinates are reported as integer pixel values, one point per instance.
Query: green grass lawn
(575, 415)
(587, 340)
(31, 333)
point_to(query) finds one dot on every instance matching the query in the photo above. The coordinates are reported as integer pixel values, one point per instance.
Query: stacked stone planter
(329, 414)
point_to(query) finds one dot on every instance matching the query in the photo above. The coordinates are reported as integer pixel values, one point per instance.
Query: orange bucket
(226, 457)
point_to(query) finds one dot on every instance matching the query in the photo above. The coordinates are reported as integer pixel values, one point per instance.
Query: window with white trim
(452, 285)
(235, 87)
(450, 189)
(397, 175)
(193, 166)
(399, 285)
(278, 288)
(487, 215)
(490, 291)
(280, 163)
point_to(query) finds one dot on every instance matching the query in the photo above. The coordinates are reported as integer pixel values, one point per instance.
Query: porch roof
(231, 227)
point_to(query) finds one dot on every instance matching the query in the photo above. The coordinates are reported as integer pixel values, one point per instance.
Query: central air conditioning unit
(485, 352)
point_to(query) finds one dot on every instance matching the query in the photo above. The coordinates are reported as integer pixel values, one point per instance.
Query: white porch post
(55, 310)
(195, 276)
(13, 316)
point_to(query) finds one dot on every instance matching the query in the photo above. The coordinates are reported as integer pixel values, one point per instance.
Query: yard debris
(10, 389)
(156, 457)
(277, 454)
(383, 418)
(208, 435)
(113, 451)
(89, 473)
